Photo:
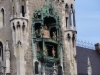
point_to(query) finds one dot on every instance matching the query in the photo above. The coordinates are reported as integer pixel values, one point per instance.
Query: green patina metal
(38, 22)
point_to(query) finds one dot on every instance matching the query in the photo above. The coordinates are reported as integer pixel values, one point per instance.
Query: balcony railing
(85, 44)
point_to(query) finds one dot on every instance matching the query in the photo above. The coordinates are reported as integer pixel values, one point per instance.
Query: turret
(19, 27)
(69, 37)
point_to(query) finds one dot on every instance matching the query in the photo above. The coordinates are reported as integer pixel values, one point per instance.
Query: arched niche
(49, 20)
(38, 29)
(53, 33)
(1, 50)
(50, 27)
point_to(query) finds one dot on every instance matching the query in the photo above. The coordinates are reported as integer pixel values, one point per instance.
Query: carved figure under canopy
(53, 52)
(54, 36)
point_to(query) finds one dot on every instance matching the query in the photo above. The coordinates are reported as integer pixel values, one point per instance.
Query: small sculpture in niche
(45, 27)
(55, 70)
(41, 31)
(36, 31)
(53, 52)
(50, 11)
(45, 52)
(38, 49)
(54, 36)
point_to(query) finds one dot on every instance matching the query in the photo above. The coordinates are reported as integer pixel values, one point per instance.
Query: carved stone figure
(53, 52)
(36, 31)
(45, 52)
(45, 27)
(55, 70)
(41, 31)
(54, 36)
(38, 49)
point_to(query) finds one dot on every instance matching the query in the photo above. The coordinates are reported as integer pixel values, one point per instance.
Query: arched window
(72, 15)
(66, 7)
(18, 25)
(2, 10)
(23, 8)
(23, 27)
(1, 51)
(23, 11)
(68, 36)
(13, 27)
(1, 18)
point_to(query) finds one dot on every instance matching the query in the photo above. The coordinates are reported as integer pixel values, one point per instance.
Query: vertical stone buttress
(7, 58)
(19, 25)
(69, 37)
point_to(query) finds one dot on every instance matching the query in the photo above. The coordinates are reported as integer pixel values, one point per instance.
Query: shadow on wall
(88, 61)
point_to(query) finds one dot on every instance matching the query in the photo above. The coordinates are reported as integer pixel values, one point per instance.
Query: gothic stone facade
(37, 37)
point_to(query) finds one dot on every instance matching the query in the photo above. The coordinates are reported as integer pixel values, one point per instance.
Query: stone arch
(73, 39)
(23, 26)
(66, 7)
(2, 17)
(23, 8)
(18, 24)
(13, 27)
(53, 32)
(71, 6)
(1, 50)
(68, 36)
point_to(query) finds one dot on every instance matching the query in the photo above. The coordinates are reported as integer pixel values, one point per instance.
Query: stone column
(7, 58)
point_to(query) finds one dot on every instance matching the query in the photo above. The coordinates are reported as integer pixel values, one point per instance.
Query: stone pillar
(19, 44)
(7, 58)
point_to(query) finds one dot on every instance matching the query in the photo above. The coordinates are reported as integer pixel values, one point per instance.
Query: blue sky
(88, 20)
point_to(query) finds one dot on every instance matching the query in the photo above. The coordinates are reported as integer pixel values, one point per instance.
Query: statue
(46, 32)
(54, 72)
(41, 31)
(36, 31)
(45, 52)
(7, 48)
(45, 27)
(38, 49)
(54, 36)
(53, 52)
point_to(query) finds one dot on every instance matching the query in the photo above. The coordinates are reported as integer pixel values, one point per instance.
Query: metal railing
(85, 44)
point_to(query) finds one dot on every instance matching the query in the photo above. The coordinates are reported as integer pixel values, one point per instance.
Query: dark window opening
(51, 11)
(13, 11)
(36, 67)
(2, 10)
(73, 39)
(23, 11)
(39, 47)
(53, 33)
(51, 49)
(39, 15)
(1, 50)
(49, 20)
(18, 25)
(38, 29)
(71, 6)
(66, 7)
(23, 27)
(60, 70)
(13, 27)
(68, 36)
(66, 21)
(62, 1)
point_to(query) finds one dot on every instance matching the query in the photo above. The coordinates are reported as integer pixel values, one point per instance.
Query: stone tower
(39, 37)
